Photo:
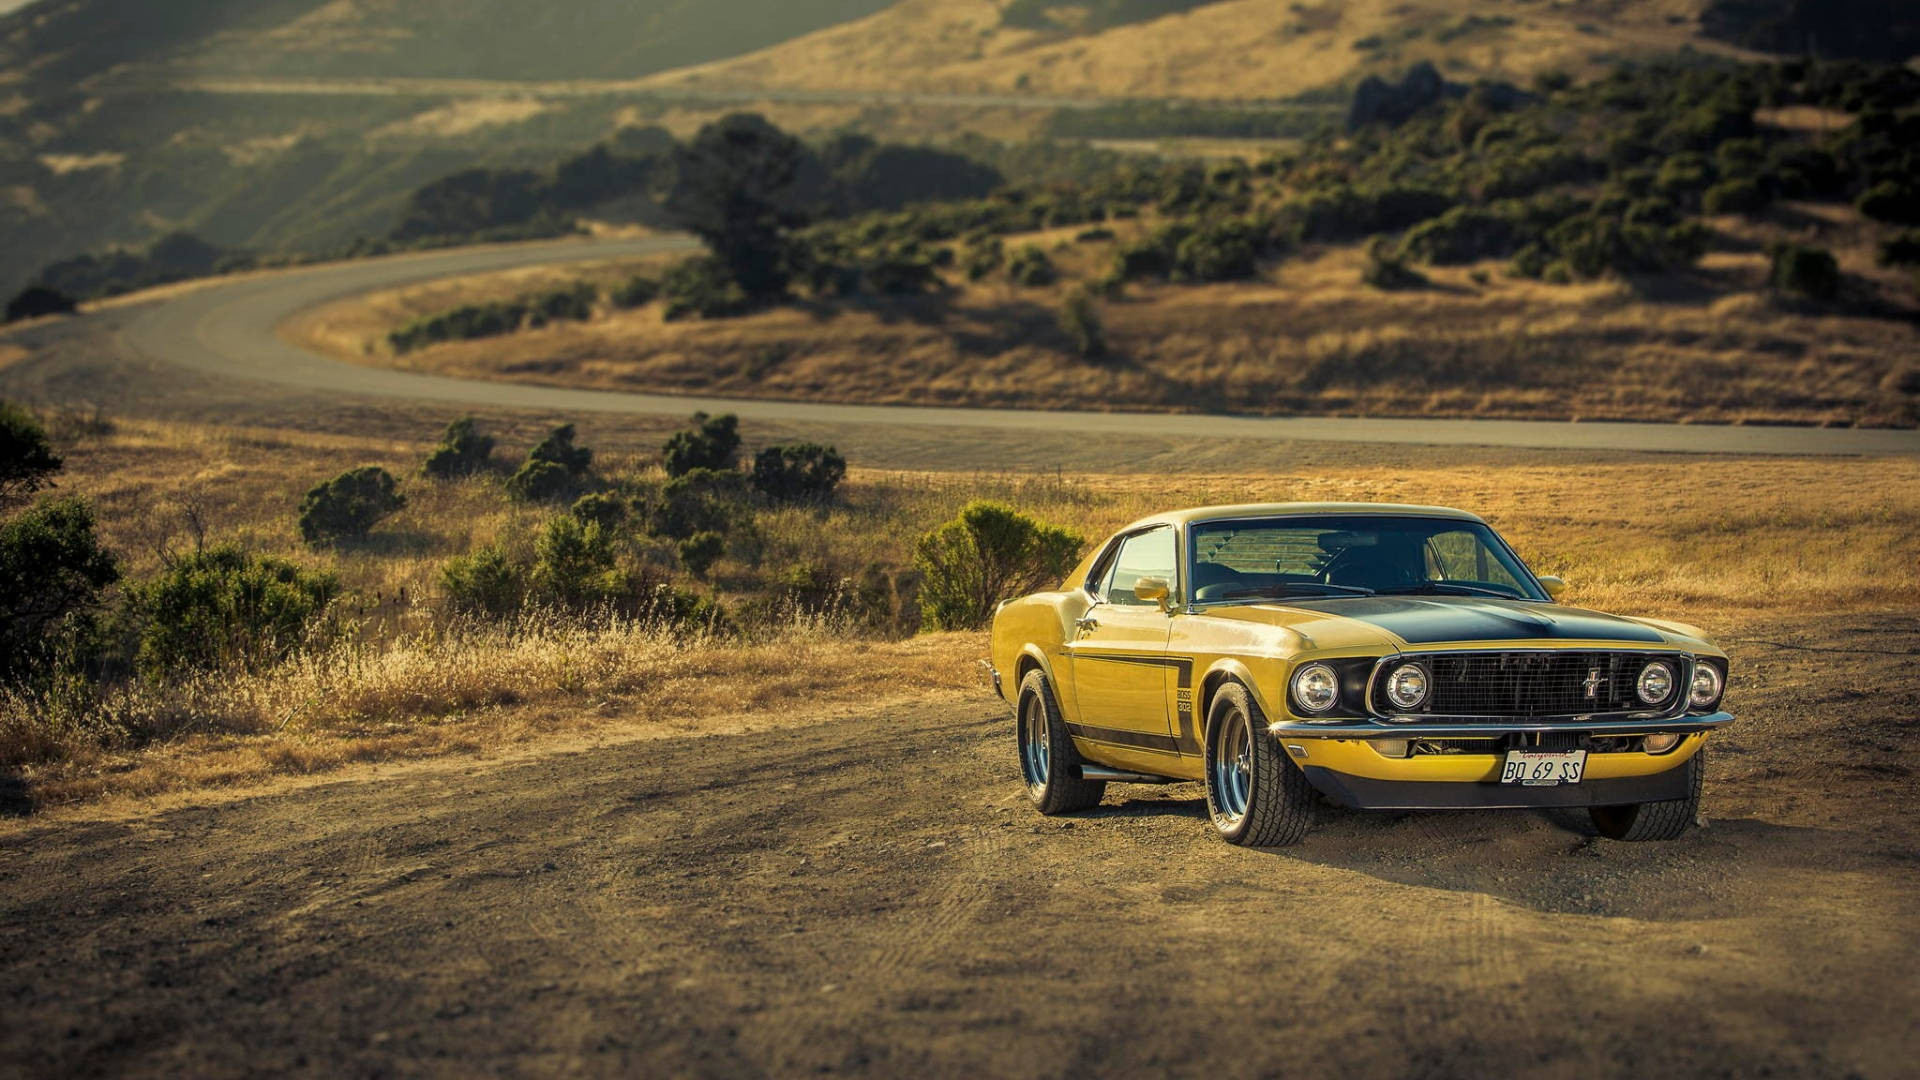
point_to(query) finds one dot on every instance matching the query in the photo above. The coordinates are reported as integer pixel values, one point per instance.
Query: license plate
(1543, 768)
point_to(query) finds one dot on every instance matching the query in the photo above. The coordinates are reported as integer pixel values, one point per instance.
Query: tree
(27, 459)
(798, 472)
(733, 188)
(463, 451)
(987, 554)
(1080, 320)
(52, 567)
(348, 506)
(712, 443)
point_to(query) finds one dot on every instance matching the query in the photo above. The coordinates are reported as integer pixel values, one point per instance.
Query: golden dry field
(1728, 543)
(1306, 337)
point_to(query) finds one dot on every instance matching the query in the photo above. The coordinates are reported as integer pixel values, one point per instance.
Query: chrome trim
(1116, 776)
(1584, 725)
(1681, 706)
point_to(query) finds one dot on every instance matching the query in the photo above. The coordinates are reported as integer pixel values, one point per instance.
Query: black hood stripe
(1428, 620)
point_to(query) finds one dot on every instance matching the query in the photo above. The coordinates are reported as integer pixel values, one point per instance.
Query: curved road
(228, 330)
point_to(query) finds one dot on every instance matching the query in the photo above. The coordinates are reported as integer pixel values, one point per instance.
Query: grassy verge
(1723, 542)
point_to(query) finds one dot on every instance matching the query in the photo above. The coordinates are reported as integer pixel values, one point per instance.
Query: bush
(52, 571)
(983, 257)
(607, 511)
(987, 554)
(712, 443)
(485, 583)
(27, 459)
(798, 472)
(1891, 201)
(463, 323)
(574, 566)
(701, 288)
(636, 291)
(559, 449)
(348, 506)
(1808, 271)
(700, 500)
(700, 551)
(1030, 268)
(224, 607)
(1683, 174)
(540, 481)
(37, 300)
(1387, 270)
(1742, 196)
(1901, 250)
(1463, 234)
(463, 451)
(574, 303)
(1080, 321)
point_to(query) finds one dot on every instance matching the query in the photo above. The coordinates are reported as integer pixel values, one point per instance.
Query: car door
(1121, 670)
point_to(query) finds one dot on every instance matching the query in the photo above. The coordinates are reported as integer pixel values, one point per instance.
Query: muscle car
(1382, 657)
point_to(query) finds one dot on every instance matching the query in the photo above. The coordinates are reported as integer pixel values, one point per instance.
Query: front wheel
(1255, 795)
(1048, 762)
(1655, 820)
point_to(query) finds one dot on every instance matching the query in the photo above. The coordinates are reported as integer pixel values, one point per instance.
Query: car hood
(1429, 620)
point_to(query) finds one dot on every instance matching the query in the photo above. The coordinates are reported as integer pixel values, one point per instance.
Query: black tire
(1655, 820)
(1048, 762)
(1257, 797)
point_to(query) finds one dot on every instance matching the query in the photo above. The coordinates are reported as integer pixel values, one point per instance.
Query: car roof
(1299, 509)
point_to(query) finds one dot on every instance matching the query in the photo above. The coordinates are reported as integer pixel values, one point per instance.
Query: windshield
(1353, 555)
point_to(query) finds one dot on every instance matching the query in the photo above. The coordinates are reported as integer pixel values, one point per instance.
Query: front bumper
(1365, 793)
(1430, 729)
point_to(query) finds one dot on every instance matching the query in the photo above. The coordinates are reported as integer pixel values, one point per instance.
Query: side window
(1102, 572)
(1149, 554)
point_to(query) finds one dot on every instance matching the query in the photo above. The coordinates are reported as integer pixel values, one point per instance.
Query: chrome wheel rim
(1035, 753)
(1232, 768)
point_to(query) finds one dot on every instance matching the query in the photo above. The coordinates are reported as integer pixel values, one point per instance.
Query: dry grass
(1306, 338)
(1722, 542)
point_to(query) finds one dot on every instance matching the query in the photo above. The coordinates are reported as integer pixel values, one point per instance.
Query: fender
(1222, 670)
(1035, 653)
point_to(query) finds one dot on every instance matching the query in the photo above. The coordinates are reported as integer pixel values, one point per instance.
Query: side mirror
(1154, 590)
(1554, 586)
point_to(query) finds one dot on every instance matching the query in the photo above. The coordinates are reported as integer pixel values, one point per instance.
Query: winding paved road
(228, 330)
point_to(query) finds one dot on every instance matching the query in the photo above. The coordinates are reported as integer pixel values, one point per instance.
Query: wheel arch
(1220, 674)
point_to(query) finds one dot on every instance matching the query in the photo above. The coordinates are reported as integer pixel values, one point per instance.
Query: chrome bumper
(1430, 729)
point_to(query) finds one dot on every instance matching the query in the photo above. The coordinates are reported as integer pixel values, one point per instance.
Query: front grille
(1546, 683)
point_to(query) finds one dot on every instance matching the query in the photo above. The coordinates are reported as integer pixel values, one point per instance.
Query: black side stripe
(1186, 741)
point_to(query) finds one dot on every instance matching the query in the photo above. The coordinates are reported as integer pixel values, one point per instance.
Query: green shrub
(463, 451)
(712, 443)
(1387, 270)
(35, 301)
(636, 291)
(700, 551)
(1463, 234)
(987, 554)
(463, 323)
(797, 472)
(607, 511)
(558, 447)
(700, 500)
(684, 612)
(1080, 321)
(226, 608)
(1741, 196)
(52, 571)
(1031, 268)
(1805, 270)
(1891, 201)
(1683, 174)
(573, 303)
(982, 258)
(701, 288)
(484, 583)
(348, 506)
(27, 459)
(573, 566)
(541, 481)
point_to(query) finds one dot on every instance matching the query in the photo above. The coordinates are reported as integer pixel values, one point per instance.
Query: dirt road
(870, 895)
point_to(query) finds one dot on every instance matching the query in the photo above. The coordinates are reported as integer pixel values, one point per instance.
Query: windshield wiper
(1288, 589)
(1454, 588)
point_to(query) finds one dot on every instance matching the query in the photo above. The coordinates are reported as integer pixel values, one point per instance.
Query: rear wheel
(1655, 820)
(1048, 761)
(1255, 795)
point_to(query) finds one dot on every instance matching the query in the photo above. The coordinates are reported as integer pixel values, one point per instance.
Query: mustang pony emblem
(1593, 684)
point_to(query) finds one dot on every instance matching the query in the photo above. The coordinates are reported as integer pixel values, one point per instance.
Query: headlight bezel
(1298, 698)
(1655, 669)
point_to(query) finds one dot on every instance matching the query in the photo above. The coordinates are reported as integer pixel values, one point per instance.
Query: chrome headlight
(1407, 686)
(1706, 687)
(1316, 687)
(1656, 682)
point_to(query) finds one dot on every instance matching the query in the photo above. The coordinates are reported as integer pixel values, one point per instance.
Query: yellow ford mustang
(1391, 657)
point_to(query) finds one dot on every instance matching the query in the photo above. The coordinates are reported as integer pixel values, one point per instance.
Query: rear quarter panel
(1036, 628)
